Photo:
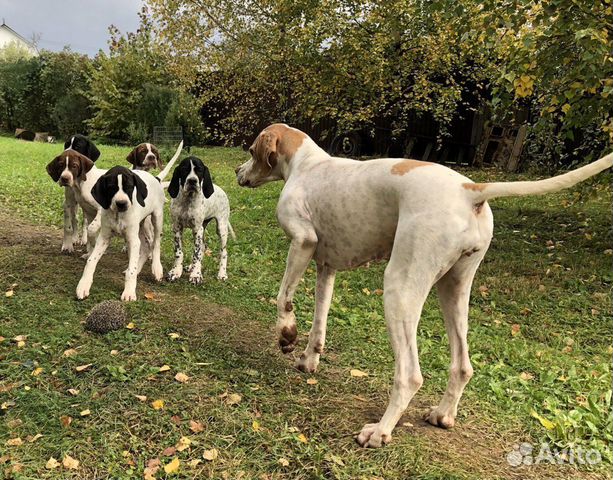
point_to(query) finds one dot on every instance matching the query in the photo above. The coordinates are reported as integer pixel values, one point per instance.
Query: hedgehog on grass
(107, 316)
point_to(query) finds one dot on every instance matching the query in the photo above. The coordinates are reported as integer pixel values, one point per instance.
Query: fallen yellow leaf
(21, 344)
(195, 427)
(149, 296)
(52, 463)
(65, 420)
(73, 391)
(515, 329)
(10, 293)
(181, 377)
(70, 463)
(85, 412)
(173, 466)
(210, 455)
(70, 352)
(82, 368)
(32, 439)
(184, 443)
(142, 398)
(526, 376)
(549, 425)
(14, 442)
(37, 371)
(284, 462)
(358, 373)
(233, 399)
(311, 381)
(131, 326)
(20, 338)
(302, 438)
(157, 404)
(174, 336)
(195, 462)
(256, 426)
(114, 352)
(164, 368)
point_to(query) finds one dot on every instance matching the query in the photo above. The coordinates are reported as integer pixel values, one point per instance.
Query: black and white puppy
(127, 198)
(70, 172)
(146, 157)
(195, 202)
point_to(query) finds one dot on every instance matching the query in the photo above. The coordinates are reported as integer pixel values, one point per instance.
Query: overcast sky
(82, 24)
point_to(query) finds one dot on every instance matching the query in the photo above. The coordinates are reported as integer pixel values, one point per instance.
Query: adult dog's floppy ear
(141, 190)
(264, 149)
(86, 165)
(54, 168)
(207, 183)
(173, 188)
(101, 193)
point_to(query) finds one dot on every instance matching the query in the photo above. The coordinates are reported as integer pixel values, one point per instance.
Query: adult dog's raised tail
(169, 165)
(485, 191)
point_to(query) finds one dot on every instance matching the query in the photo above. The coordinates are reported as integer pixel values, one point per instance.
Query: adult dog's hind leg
(454, 296)
(157, 219)
(309, 359)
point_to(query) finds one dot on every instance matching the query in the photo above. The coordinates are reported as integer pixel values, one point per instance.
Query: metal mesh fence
(167, 135)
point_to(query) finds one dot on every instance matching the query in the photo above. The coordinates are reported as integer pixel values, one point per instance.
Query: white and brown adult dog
(196, 200)
(85, 147)
(433, 224)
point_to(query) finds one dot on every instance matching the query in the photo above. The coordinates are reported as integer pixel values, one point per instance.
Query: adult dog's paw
(223, 276)
(82, 291)
(372, 436)
(195, 279)
(440, 418)
(287, 338)
(174, 274)
(158, 272)
(307, 363)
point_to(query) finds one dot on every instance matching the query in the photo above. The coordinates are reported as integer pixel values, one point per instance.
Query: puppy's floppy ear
(141, 189)
(55, 167)
(92, 151)
(158, 159)
(207, 183)
(85, 165)
(173, 188)
(131, 158)
(101, 193)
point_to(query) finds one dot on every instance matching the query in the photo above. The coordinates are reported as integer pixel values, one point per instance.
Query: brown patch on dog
(276, 139)
(405, 166)
(138, 154)
(78, 165)
(478, 207)
(287, 338)
(475, 187)
(288, 306)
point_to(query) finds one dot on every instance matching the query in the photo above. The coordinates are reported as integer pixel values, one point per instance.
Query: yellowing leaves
(311, 381)
(173, 466)
(157, 404)
(52, 464)
(14, 442)
(548, 424)
(302, 438)
(515, 329)
(195, 426)
(85, 413)
(233, 399)
(164, 368)
(524, 85)
(69, 353)
(82, 368)
(210, 455)
(358, 373)
(181, 377)
(184, 443)
(284, 462)
(256, 426)
(37, 371)
(131, 326)
(70, 463)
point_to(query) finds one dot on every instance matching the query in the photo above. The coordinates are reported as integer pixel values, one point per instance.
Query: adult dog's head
(68, 167)
(118, 189)
(271, 152)
(190, 177)
(145, 157)
(83, 145)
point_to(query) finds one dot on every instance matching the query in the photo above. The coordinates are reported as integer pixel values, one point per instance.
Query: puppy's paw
(440, 418)
(128, 296)
(372, 436)
(67, 248)
(195, 278)
(174, 274)
(223, 276)
(158, 272)
(82, 291)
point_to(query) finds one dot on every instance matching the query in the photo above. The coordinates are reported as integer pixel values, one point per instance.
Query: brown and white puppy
(433, 224)
(146, 157)
(77, 174)
(86, 147)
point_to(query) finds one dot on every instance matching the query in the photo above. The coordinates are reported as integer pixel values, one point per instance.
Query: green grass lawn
(540, 338)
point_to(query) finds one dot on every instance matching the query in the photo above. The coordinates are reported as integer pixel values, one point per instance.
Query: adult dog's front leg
(195, 275)
(309, 359)
(300, 253)
(177, 270)
(133, 240)
(102, 243)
